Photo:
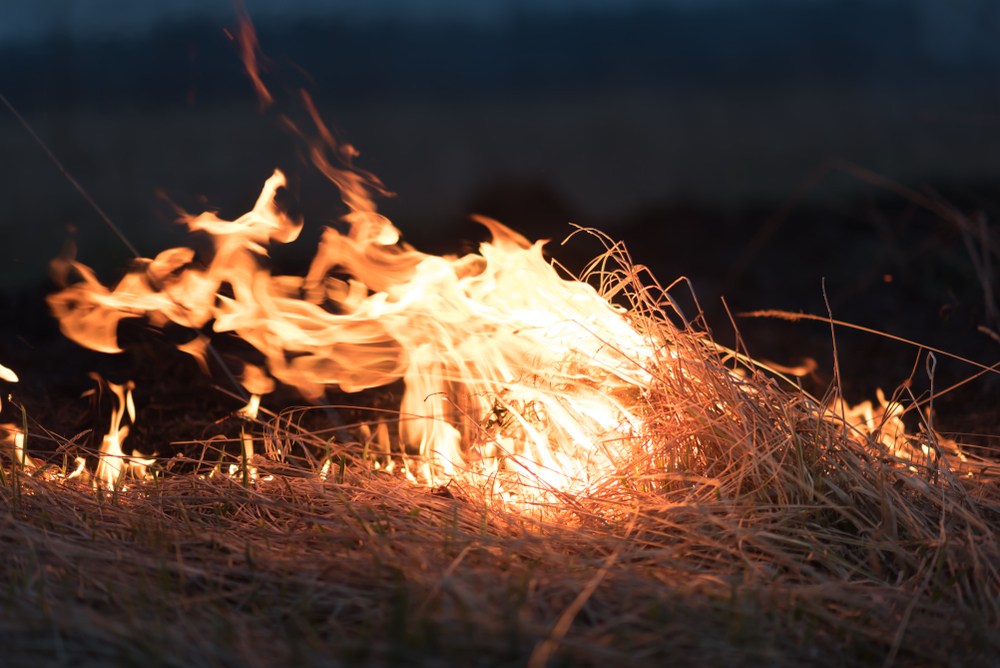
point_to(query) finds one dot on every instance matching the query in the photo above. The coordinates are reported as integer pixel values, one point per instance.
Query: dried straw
(749, 525)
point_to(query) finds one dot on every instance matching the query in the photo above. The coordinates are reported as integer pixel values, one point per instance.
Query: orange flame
(497, 352)
(13, 435)
(508, 368)
(249, 52)
(7, 374)
(112, 462)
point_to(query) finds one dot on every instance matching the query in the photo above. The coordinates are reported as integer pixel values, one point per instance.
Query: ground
(802, 561)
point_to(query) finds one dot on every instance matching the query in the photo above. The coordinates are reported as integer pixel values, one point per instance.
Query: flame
(246, 36)
(13, 435)
(882, 423)
(7, 374)
(506, 365)
(511, 372)
(112, 462)
(529, 383)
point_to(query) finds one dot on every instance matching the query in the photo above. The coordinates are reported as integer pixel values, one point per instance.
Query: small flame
(882, 423)
(250, 53)
(112, 462)
(13, 435)
(81, 466)
(882, 420)
(7, 375)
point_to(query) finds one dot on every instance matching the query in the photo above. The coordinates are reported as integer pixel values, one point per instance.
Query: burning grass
(576, 475)
(748, 523)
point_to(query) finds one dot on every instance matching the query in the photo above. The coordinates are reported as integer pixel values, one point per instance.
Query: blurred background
(757, 147)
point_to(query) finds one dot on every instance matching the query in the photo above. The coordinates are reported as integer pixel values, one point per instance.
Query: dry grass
(758, 529)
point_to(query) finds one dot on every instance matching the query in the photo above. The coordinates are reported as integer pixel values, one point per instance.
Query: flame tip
(7, 374)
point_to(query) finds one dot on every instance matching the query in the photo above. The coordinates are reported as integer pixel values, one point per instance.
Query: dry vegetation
(760, 529)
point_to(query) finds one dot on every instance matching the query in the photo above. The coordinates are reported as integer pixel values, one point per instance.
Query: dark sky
(586, 111)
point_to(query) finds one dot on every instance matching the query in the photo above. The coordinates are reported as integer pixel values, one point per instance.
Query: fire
(529, 383)
(507, 366)
(112, 462)
(511, 372)
(14, 435)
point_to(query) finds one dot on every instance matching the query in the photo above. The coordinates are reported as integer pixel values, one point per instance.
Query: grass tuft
(749, 524)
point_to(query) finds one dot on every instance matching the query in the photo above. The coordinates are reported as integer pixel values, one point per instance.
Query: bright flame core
(509, 369)
(12, 434)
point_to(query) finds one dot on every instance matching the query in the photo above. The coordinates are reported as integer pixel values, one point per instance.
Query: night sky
(600, 109)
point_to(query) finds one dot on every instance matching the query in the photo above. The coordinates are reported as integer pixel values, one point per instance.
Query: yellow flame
(506, 364)
(12, 434)
(112, 463)
(510, 371)
(7, 375)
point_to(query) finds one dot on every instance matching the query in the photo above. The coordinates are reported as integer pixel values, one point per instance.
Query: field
(816, 475)
(755, 525)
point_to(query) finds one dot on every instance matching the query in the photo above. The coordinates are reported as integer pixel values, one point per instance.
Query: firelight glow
(11, 434)
(513, 375)
(510, 370)
(529, 384)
